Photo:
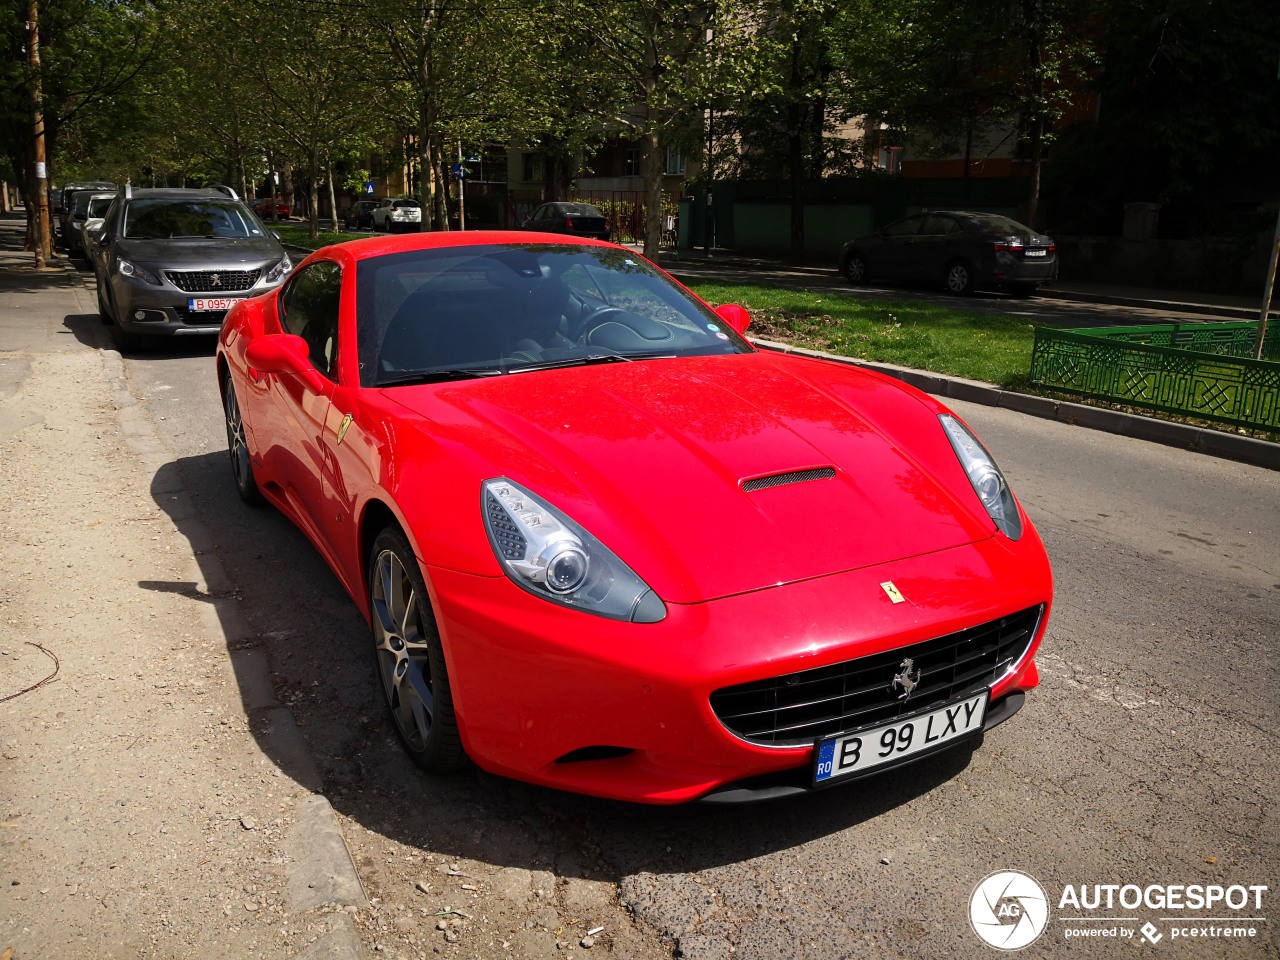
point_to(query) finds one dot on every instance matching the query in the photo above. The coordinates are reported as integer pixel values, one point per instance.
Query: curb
(1216, 443)
(321, 871)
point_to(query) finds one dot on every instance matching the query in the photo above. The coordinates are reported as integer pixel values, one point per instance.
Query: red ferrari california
(605, 545)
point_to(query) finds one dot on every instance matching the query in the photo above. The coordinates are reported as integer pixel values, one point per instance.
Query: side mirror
(735, 316)
(279, 353)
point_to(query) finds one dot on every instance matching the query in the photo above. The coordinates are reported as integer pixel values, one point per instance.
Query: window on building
(631, 162)
(675, 162)
(890, 160)
(534, 168)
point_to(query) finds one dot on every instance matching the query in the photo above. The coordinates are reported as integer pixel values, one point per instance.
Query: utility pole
(44, 250)
(1266, 291)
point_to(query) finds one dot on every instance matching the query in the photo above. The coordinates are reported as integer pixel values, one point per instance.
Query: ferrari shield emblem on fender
(892, 592)
(342, 430)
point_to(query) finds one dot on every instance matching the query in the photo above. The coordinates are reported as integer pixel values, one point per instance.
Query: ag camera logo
(1008, 910)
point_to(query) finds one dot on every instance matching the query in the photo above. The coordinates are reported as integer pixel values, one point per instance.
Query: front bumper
(623, 710)
(165, 307)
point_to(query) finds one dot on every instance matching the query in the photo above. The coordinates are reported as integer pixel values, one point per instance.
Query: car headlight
(128, 269)
(279, 270)
(988, 482)
(552, 557)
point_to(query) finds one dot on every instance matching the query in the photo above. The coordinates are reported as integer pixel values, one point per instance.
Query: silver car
(86, 215)
(172, 262)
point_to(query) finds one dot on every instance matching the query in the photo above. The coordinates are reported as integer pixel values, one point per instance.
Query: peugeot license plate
(207, 304)
(867, 749)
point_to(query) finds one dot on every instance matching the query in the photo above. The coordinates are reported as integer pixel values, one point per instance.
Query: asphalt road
(1146, 756)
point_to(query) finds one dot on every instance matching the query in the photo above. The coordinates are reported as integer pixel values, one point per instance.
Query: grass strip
(925, 336)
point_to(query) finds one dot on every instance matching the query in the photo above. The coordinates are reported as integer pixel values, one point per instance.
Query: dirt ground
(140, 815)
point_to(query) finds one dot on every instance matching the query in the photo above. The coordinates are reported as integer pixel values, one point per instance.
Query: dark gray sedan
(579, 219)
(961, 250)
(171, 262)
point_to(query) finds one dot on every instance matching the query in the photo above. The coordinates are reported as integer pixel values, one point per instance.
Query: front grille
(782, 479)
(200, 318)
(213, 281)
(800, 708)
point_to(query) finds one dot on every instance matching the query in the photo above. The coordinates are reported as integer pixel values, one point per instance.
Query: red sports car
(605, 545)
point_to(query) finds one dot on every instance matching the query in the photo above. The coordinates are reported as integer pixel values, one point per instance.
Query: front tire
(238, 448)
(125, 341)
(959, 278)
(409, 656)
(855, 269)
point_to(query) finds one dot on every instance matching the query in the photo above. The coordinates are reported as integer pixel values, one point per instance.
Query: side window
(540, 213)
(309, 308)
(937, 226)
(904, 228)
(109, 221)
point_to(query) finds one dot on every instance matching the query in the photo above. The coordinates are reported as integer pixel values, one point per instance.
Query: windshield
(457, 312)
(165, 218)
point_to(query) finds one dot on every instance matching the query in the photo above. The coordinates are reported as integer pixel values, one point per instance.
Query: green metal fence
(1202, 370)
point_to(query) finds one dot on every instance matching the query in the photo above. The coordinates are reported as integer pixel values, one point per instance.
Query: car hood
(206, 253)
(654, 458)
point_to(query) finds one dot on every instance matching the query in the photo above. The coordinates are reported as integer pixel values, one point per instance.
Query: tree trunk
(653, 170)
(286, 184)
(333, 199)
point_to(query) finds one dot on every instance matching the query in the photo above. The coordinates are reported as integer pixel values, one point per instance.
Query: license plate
(867, 749)
(1036, 253)
(209, 304)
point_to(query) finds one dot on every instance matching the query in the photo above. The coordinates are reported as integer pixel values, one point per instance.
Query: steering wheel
(595, 318)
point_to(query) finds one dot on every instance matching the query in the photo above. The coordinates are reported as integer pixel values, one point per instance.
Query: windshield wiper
(593, 359)
(438, 376)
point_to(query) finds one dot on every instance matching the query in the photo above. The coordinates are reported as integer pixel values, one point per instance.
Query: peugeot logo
(905, 680)
(215, 280)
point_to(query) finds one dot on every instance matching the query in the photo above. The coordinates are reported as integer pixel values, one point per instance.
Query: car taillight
(568, 224)
(1006, 247)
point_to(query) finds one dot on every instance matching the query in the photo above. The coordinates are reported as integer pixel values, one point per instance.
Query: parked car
(88, 213)
(172, 262)
(605, 545)
(266, 208)
(360, 215)
(64, 208)
(394, 214)
(580, 219)
(960, 250)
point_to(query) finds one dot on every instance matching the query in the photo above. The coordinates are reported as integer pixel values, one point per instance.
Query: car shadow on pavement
(276, 599)
(89, 329)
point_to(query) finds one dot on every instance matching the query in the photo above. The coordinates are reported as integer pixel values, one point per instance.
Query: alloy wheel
(403, 651)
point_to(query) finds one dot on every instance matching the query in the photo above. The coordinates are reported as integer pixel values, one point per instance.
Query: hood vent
(782, 479)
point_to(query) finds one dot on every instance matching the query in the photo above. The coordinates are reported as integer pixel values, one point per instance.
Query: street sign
(459, 171)
(368, 186)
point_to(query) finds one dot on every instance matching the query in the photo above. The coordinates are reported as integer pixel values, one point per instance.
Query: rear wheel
(855, 268)
(409, 655)
(959, 278)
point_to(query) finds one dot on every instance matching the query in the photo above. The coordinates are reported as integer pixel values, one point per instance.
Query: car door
(930, 250)
(893, 254)
(308, 308)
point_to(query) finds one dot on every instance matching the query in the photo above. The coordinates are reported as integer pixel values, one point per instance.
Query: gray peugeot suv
(171, 262)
